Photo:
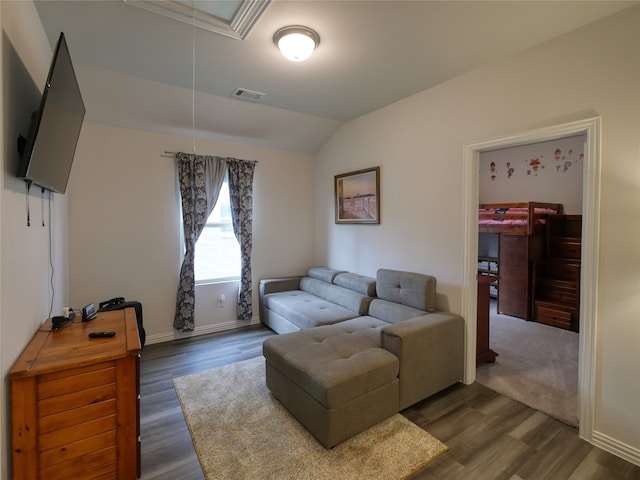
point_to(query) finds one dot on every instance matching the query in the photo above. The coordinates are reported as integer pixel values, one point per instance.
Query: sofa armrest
(431, 353)
(283, 284)
(273, 285)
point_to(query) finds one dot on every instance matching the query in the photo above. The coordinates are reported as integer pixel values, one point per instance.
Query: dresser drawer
(558, 291)
(564, 270)
(562, 297)
(554, 315)
(567, 248)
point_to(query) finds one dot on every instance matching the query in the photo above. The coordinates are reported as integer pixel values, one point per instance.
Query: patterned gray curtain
(201, 178)
(241, 195)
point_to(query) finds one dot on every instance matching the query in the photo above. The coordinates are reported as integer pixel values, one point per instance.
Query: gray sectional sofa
(355, 350)
(323, 297)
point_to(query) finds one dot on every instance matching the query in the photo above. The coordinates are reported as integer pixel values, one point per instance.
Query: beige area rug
(240, 431)
(536, 365)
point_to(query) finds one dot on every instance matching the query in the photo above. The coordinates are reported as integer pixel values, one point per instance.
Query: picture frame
(357, 196)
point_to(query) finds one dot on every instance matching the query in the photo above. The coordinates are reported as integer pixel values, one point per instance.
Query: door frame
(591, 127)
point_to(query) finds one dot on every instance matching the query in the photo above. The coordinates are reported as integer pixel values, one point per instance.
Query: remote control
(102, 334)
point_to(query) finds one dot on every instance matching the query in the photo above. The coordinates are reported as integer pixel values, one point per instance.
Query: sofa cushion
(356, 282)
(337, 363)
(314, 286)
(412, 289)
(305, 310)
(352, 300)
(392, 312)
(323, 273)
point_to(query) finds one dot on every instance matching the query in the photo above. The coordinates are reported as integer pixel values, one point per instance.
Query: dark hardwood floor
(489, 436)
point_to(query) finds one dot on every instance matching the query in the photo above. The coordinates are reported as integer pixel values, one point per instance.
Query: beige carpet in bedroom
(536, 365)
(240, 431)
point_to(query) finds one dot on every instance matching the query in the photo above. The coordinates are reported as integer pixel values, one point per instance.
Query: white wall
(124, 223)
(26, 294)
(542, 172)
(418, 143)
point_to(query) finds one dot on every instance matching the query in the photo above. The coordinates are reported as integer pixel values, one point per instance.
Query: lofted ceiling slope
(136, 68)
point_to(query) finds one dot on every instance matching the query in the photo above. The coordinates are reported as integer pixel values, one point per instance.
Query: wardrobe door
(516, 256)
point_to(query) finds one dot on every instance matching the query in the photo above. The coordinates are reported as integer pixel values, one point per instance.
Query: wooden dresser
(75, 410)
(557, 278)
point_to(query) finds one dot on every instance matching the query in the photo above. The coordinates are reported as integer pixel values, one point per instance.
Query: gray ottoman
(336, 380)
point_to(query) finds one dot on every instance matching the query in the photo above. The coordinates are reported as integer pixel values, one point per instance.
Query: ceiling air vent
(247, 95)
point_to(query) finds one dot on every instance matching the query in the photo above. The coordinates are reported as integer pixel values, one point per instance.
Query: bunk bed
(523, 218)
(521, 230)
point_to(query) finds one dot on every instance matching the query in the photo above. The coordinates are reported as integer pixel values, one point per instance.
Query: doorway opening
(529, 235)
(588, 276)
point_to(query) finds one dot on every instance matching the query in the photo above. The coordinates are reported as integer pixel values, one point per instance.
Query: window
(217, 257)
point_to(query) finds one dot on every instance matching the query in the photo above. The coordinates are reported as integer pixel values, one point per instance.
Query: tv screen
(49, 149)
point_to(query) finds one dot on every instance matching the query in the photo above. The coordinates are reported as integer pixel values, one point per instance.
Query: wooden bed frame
(532, 225)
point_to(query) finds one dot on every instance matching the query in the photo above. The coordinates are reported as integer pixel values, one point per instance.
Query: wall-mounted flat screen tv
(48, 151)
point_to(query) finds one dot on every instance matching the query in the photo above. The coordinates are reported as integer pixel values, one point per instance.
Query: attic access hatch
(231, 18)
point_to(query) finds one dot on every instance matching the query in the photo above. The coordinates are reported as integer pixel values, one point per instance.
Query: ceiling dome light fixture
(296, 43)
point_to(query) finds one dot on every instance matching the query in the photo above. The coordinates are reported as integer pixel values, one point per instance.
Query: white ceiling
(135, 67)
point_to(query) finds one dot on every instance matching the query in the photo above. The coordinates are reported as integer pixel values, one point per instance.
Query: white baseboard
(611, 445)
(204, 330)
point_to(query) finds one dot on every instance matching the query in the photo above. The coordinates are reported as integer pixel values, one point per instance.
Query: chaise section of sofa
(335, 379)
(323, 297)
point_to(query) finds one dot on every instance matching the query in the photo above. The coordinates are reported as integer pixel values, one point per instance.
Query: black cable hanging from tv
(28, 186)
(42, 205)
(53, 286)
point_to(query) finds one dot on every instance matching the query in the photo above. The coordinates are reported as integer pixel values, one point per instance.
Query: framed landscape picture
(357, 196)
